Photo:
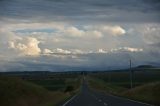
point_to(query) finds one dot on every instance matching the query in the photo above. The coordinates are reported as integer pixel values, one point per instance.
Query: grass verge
(149, 93)
(17, 92)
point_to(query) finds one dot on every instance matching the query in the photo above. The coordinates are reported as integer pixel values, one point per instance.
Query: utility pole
(131, 74)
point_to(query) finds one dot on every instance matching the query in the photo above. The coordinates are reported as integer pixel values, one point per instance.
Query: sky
(78, 35)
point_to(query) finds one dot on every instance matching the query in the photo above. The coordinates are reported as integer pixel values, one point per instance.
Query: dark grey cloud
(82, 10)
(156, 45)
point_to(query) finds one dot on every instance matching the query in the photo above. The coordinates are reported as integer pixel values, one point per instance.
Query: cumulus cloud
(59, 50)
(77, 51)
(102, 51)
(70, 52)
(147, 36)
(47, 51)
(113, 30)
(108, 29)
(26, 46)
(151, 34)
(75, 32)
(94, 33)
(88, 33)
(128, 49)
(86, 46)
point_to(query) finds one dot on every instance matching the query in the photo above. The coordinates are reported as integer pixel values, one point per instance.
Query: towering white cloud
(26, 46)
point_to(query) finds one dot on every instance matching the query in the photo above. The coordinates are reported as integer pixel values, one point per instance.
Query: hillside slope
(16, 92)
(148, 93)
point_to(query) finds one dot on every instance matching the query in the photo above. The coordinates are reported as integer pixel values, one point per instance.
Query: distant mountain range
(146, 66)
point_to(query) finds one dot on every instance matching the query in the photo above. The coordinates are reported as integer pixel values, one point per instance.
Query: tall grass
(149, 92)
(17, 92)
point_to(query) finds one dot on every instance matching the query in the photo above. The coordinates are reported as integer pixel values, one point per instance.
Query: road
(87, 97)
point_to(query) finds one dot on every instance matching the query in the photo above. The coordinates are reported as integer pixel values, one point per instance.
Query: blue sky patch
(47, 30)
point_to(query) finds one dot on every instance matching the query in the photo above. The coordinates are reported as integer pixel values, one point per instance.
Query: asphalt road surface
(86, 97)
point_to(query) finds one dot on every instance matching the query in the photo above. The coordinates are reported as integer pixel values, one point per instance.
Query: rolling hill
(17, 92)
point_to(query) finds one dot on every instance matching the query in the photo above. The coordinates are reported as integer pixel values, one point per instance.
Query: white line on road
(105, 104)
(70, 100)
(130, 100)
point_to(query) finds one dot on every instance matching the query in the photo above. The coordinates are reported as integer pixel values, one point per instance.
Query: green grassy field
(122, 78)
(52, 90)
(146, 85)
(147, 93)
(57, 83)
